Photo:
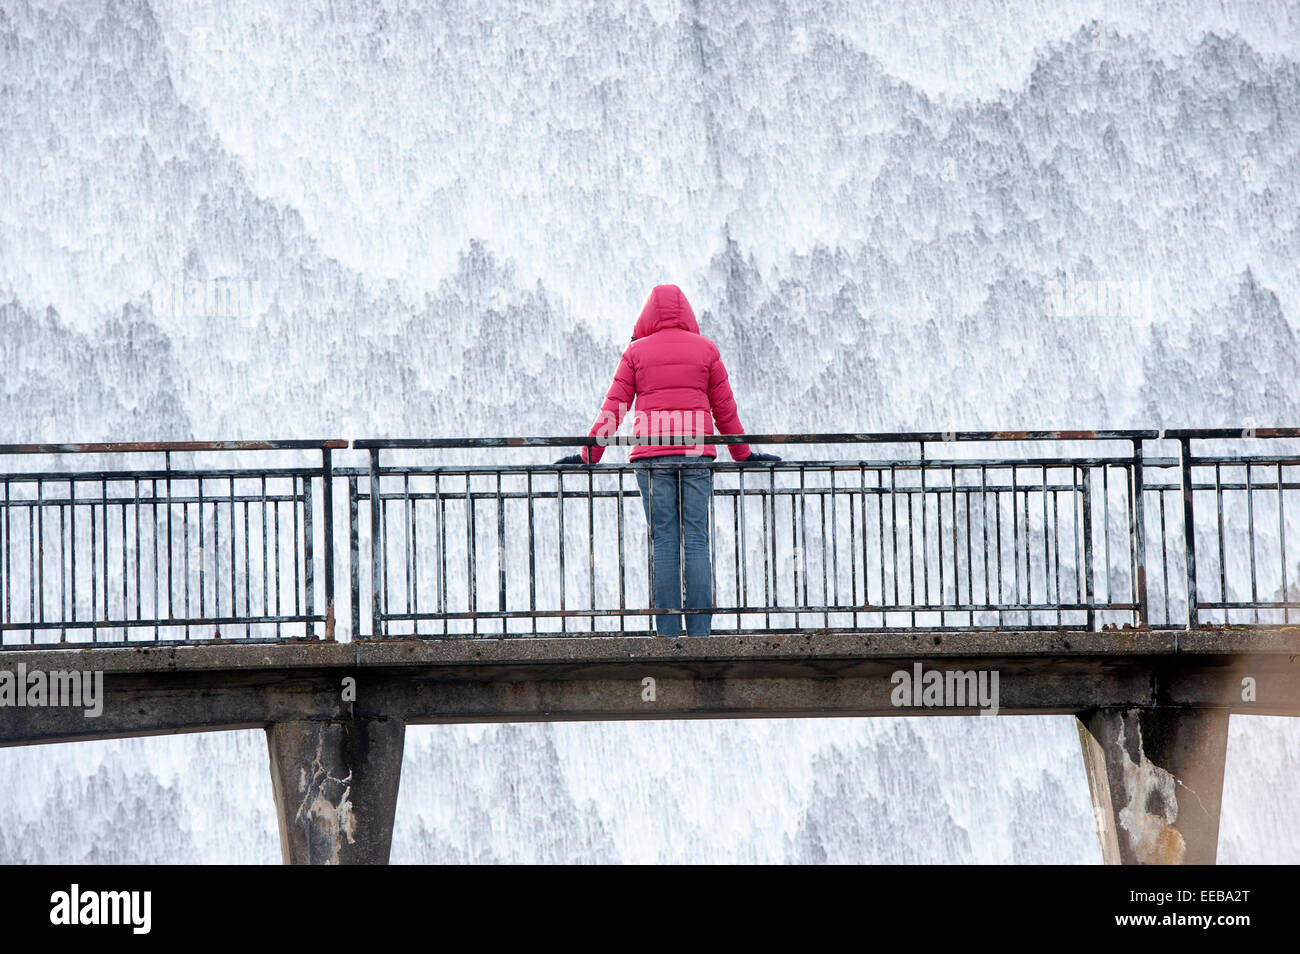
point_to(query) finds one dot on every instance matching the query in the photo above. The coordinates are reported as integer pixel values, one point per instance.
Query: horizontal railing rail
(1024, 530)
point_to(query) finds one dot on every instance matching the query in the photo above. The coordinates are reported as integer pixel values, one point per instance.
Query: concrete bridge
(1146, 593)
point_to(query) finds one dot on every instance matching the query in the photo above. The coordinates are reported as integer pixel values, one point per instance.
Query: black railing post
(309, 552)
(376, 550)
(1087, 544)
(1189, 528)
(354, 558)
(1139, 540)
(327, 506)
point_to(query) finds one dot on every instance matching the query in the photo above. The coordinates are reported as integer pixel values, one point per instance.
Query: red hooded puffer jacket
(678, 380)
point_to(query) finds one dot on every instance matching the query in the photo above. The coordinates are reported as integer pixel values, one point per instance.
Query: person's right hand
(756, 458)
(571, 459)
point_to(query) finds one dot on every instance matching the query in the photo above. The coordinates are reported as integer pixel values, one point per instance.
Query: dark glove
(756, 458)
(571, 459)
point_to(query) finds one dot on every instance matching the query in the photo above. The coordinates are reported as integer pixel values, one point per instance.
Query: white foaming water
(865, 203)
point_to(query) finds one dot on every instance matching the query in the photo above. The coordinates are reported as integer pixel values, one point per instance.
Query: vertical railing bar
(94, 562)
(296, 495)
(1281, 536)
(1189, 533)
(622, 552)
(308, 551)
(377, 555)
(1250, 539)
(893, 525)
(275, 531)
(997, 541)
(1056, 549)
(1223, 573)
(171, 569)
(1105, 527)
(266, 549)
(385, 572)
(559, 526)
(1162, 495)
(939, 550)
(984, 530)
(769, 598)
(36, 563)
(970, 560)
(925, 536)
(67, 545)
(1029, 576)
(957, 564)
(471, 537)
(713, 547)
(8, 580)
(853, 554)
(327, 515)
(1087, 546)
(880, 514)
(39, 509)
(591, 550)
(216, 553)
(354, 557)
(1076, 532)
(126, 575)
(532, 556)
(442, 551)
(835, 549)
(736, 517)
(138, 615)
(796, 557)
(202, 552)
(1016, 534)
(744, 580)
(72, 550)
(1047, 545)
(103, 496)
(415, 566)
(157, 613)
(1140, 532)
(248, 578)
(501, 553)
(821, 507)
(866, 563)
(911, 550)
(234, 577)
(803, 535)
(406, 539)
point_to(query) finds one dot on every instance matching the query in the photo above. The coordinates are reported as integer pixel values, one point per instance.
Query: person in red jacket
(678, 382)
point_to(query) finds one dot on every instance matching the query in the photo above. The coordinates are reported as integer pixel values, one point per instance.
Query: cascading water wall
(930, 215)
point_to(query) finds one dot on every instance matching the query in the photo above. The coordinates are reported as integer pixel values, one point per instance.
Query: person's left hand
(571, 459)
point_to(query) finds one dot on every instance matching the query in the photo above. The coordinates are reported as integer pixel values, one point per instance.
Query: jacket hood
(666, 307)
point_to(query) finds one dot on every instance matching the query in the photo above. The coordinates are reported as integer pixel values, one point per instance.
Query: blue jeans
(679, 521)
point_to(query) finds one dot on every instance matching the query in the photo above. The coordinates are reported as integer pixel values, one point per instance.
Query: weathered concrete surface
(167, 689)
(335, 786)
(809, 645)
(1156, 778)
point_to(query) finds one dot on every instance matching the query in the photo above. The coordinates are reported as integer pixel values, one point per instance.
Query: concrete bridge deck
(161, 689)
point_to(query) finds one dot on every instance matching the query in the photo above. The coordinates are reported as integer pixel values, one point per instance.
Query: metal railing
(118, 553)
(1052, 530)
(859, 532)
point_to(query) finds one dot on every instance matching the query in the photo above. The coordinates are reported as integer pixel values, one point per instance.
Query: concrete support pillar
(335, 786)
(1156, 777)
